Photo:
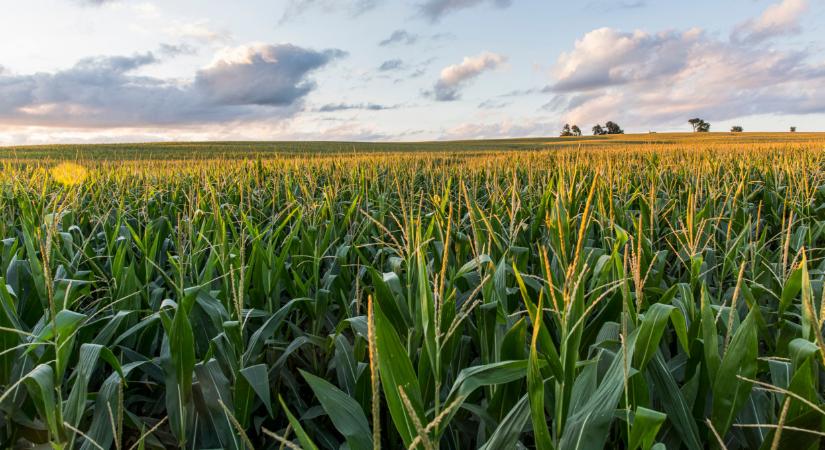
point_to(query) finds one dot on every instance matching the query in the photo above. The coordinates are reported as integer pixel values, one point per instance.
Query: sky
(76, 71)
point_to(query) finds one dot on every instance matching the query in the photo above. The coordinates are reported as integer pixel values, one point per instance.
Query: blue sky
(137, 70)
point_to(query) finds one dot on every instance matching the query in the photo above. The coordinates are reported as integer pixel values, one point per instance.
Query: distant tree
(565, 131)
(598, 130)
(576, 130)
(613, 128)
(699, 125)
(793, 129)
(736, 129)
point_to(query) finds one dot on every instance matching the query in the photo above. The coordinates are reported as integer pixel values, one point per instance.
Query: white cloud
(777, 20)
(610, 57)
(95, 2)
(289, 128)
(456, 76)
(650, 79)
(200, 31)
(506, 128)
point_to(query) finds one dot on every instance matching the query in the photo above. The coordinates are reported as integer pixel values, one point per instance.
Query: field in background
(251, 150)
(640, 291)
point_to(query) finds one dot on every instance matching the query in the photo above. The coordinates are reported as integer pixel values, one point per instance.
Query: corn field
(632, 296)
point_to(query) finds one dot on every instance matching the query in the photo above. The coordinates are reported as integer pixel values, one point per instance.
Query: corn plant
(510, 294)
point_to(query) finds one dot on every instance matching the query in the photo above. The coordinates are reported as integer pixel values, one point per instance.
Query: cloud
(296, 8)
(201, 31)
(610, 57)
(526, 92)
(508, 128)
(390, 65)
(95, 2)
(568, 102)
(651, 79)
(400, 37)
(335, 107)
(172, 50)
(456, 76)
(291, 129)
(417, 73)
(434, 10)
(272, 75)
(249, 82)
(616, 5)
(493, 104)
(777, 20)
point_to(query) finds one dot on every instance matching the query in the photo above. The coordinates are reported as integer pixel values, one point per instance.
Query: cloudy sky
(138, 70)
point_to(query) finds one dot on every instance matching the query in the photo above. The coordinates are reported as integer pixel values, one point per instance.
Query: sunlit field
(656, 291)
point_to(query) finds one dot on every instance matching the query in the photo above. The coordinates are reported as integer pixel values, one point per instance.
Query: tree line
(598, 130)
(699, 126)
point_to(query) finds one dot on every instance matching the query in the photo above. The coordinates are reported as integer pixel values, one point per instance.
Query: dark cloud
(252, 82)
(354, 8)
(272, 75)
(390, 65)
(436, 9)
(335, 107)
(400, 37)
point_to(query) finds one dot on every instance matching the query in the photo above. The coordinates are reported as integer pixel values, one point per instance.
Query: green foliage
(523, 294)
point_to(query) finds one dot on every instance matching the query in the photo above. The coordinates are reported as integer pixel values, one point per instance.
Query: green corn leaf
(213, 405)
(650, 333)
(730, 393)
(472, 378)
(508, 431)
(303, 437)
(88, 357)
(646, 424)
(256, 341)
(710, 337)
(101, 429)
(396, 372)
(258, 378)
(548, 348)
(40, 385)
(790, 290)
(346, 414)
(535, 389)
(673, 402)
(178, 361)
(590, 421)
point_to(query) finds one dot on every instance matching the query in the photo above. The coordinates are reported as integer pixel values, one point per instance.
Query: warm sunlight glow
(69, 174)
